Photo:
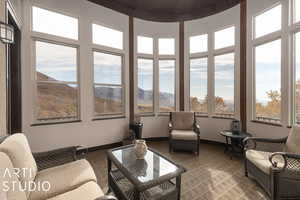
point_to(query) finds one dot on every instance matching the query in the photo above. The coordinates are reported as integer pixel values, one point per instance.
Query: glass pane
(224, 84)
(107, 37)
(198, 85)
(297, 78)
(152, 167)
(145, 85)
(53, 23)
(297, 10)
(166, 85)
(268, 22)
(268, 81)
(198, 43)
(225, 38)
(108, 100)
(56, 101)
(144, 45)
(55, 62)
(166, 46)
(107, 68)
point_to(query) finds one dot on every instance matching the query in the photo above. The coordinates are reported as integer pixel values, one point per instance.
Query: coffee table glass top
(152, 167)
(241, 134)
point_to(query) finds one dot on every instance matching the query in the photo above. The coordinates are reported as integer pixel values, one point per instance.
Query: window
(108, 87)
(166, 46)
(144, 45)
(198, 85)
(166, 85)
(297, 78)
(198, 43)
(268, 81)
(53, 23)
(225, 38)
(107, 37)
(268, 22)
(224, 84)
(296, 10)
(56, 82)
(145, 85)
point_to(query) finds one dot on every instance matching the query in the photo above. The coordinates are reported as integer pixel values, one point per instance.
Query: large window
(49, 22)
(107, 37)
(166, 85)
(268, 81)
(156, 73)
(297, 78)
(224, 84)
(198, 85)
(108, 86)
(56, 82)
(145, 94)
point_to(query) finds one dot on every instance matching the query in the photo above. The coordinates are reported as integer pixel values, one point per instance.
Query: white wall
(255, 7)
(210, 127)
(88, 133)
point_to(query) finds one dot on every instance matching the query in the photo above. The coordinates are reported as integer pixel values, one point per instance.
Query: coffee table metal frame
(166, 182)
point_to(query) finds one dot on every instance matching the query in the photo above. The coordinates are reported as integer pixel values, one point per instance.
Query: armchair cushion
(9, 179)
(64, 178)
(183, 120)
(88, 191)
(261, 160)
(184, 135)
(17, 148)
(293, 141)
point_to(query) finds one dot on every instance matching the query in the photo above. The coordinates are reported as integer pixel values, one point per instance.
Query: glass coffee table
(154, 177)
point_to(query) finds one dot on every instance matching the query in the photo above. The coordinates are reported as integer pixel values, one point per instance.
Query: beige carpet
(210, 176)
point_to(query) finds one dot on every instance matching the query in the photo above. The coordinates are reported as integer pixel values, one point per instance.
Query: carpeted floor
(210, 176)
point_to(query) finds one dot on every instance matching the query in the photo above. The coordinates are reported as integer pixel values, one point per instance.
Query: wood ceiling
(168, 10)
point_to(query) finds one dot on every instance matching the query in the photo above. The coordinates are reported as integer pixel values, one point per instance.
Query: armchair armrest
(247, 140)
(291, 161)
(55, 157)
(107, 197)
(197, 128)
(170, 127)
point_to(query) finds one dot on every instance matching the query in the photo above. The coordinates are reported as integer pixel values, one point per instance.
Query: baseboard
(154, 139)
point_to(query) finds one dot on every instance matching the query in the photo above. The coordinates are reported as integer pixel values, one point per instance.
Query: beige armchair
(184, 133)
(277, 172)
(70, 181)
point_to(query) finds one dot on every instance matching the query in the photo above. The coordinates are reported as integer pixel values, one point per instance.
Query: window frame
(192, 58)
(62, 39)
(35, 82)
(122, 85)
(107, 48)
(175, 79)
(225, 115)
(153, 85)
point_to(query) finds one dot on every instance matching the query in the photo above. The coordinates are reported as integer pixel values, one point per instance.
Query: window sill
(267, 123)
(146, 115)
(109, 117)
(164, 114)
(223, 117)
(55, 123)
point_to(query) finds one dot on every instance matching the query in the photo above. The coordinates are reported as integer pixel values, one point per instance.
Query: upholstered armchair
(184, 133)
(277, 172)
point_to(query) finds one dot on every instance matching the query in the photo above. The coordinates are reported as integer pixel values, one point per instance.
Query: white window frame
(270, 37)
(155, 57)
(122, 85)
(58, 40)
(35, 83)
